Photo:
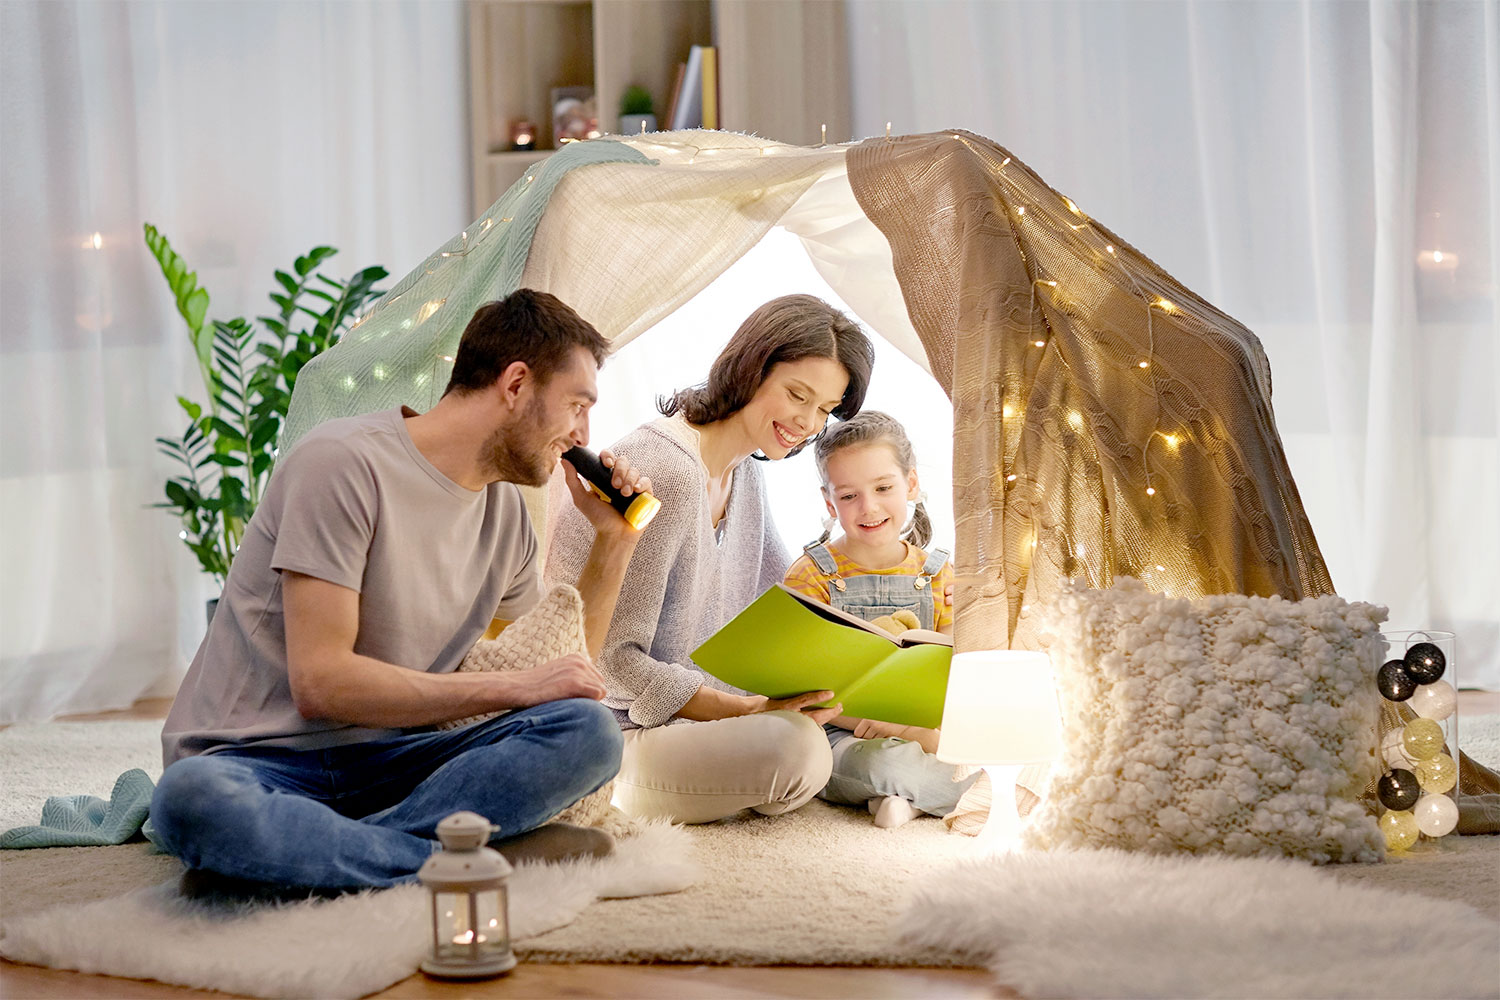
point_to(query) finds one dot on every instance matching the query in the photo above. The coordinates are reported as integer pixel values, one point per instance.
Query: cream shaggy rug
(346, 947)
(1111, 924)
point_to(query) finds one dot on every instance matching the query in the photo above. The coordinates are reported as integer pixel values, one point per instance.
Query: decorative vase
(633, 124)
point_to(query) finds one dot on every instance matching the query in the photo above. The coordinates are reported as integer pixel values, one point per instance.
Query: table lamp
(1000, 713)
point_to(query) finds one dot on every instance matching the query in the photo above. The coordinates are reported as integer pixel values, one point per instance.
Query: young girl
(876, 568)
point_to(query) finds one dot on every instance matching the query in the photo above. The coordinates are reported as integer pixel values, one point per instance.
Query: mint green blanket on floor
(89, 821)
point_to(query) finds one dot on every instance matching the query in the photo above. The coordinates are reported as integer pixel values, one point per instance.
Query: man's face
(554, 419)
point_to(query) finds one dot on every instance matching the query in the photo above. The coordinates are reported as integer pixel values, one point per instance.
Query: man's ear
(514, 383)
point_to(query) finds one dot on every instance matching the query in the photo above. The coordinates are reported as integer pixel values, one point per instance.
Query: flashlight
(638, 509)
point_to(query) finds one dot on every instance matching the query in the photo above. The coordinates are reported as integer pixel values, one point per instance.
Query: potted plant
(637, 113)
(228, 448)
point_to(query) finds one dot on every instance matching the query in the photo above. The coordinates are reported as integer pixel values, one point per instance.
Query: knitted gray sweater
(685, 580)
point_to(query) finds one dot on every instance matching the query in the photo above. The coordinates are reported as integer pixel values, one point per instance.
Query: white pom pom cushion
(1233, 724)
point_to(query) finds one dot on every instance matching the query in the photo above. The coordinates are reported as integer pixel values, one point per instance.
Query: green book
(785, 643)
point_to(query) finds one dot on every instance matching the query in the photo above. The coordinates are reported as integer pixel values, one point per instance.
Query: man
(298, 751)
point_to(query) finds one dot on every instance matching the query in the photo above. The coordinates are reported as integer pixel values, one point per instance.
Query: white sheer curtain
(248, 132)
(1329, 174)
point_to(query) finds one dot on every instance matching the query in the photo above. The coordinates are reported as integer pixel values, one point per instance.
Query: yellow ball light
(1437, 773)
(1400, 829)
(1422, 739)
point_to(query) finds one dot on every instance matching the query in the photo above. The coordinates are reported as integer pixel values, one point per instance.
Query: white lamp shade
(1001, 708)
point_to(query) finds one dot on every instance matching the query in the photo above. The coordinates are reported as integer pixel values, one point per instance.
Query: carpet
(821, 886)
(1111, 924)
(347, 947)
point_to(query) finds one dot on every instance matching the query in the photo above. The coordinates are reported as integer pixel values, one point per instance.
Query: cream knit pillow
(1233, 724)
(552, 629)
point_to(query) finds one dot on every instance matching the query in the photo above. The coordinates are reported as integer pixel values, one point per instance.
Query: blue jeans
(364, 814)
(872, 769)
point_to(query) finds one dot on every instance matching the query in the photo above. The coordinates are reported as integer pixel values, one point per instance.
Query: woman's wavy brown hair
(788, 328)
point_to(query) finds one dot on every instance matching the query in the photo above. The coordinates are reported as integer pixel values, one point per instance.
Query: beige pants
(697, 772)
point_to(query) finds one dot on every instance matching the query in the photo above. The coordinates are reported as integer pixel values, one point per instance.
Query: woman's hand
(805, 704)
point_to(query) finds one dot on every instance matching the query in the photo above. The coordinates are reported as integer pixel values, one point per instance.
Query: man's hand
(604, 518)
(571, 676)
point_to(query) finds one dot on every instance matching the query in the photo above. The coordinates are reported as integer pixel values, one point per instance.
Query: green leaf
(177, 495)
(288, 282)
(195, 307)
(192, 409)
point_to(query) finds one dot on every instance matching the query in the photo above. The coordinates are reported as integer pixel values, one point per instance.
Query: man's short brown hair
(535, 327)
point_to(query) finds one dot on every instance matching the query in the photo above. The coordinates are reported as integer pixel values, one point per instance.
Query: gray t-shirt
(354, 503)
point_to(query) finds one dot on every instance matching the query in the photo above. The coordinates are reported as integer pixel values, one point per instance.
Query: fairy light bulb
(1435, 815)
(1393, 751)
(1437, 774)
(1399, 827)
(1151, 491)
(1422, 739)
(1434, 701)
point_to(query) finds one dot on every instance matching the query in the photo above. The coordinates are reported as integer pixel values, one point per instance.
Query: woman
(697, 750)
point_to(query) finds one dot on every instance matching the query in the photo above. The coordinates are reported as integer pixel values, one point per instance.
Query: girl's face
(793, 404)
(867, 491)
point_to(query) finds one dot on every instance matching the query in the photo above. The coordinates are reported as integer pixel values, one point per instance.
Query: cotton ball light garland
(1399, 789)
(1435, 701)
(1435, 815)
(1422, 738)
(1400, 829)
(1437, 774)
(1393, 751)
(1418, 774)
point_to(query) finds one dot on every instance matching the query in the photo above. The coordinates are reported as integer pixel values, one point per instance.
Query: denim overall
(871, 595)
(874, 768)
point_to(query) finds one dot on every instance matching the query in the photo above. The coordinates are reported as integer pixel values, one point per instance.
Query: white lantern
(470, 919)
(1435, 701)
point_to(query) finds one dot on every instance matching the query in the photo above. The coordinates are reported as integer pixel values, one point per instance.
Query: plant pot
(211, 607)
(631, 124)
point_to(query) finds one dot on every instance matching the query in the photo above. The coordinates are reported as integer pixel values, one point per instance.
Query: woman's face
(793, 404)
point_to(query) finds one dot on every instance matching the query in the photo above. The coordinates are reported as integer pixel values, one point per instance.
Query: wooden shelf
(784, 68)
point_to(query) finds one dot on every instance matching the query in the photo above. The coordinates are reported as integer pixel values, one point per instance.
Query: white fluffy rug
(1111, 924)
(346, 947)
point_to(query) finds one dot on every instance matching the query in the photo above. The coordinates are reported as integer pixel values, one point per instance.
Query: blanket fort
(1107, 421)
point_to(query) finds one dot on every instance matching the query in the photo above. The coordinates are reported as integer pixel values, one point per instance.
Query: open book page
(910, 637)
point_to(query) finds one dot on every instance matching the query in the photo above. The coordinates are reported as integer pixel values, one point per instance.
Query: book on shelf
(676, 95)
(695, 101)
(786, 643)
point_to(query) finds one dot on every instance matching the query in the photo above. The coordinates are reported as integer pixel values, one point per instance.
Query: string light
(1151, 491)
(1145, 364)
(1010, 478)
(1039, 343)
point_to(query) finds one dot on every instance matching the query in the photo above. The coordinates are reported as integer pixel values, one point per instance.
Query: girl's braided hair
(873, 427)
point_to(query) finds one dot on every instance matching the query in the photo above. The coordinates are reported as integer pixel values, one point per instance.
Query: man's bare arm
(331, 681)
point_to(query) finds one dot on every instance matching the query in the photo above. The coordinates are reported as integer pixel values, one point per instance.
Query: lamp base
(495, 966)
(1002, 830)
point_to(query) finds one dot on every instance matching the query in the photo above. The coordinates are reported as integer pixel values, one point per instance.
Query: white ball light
(1394, 751)
(1434, 701)
(1437, 815)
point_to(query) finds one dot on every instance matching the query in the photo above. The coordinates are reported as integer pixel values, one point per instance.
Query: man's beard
(517, 454)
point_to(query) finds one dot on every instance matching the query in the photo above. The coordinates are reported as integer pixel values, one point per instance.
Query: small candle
(522, 135)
